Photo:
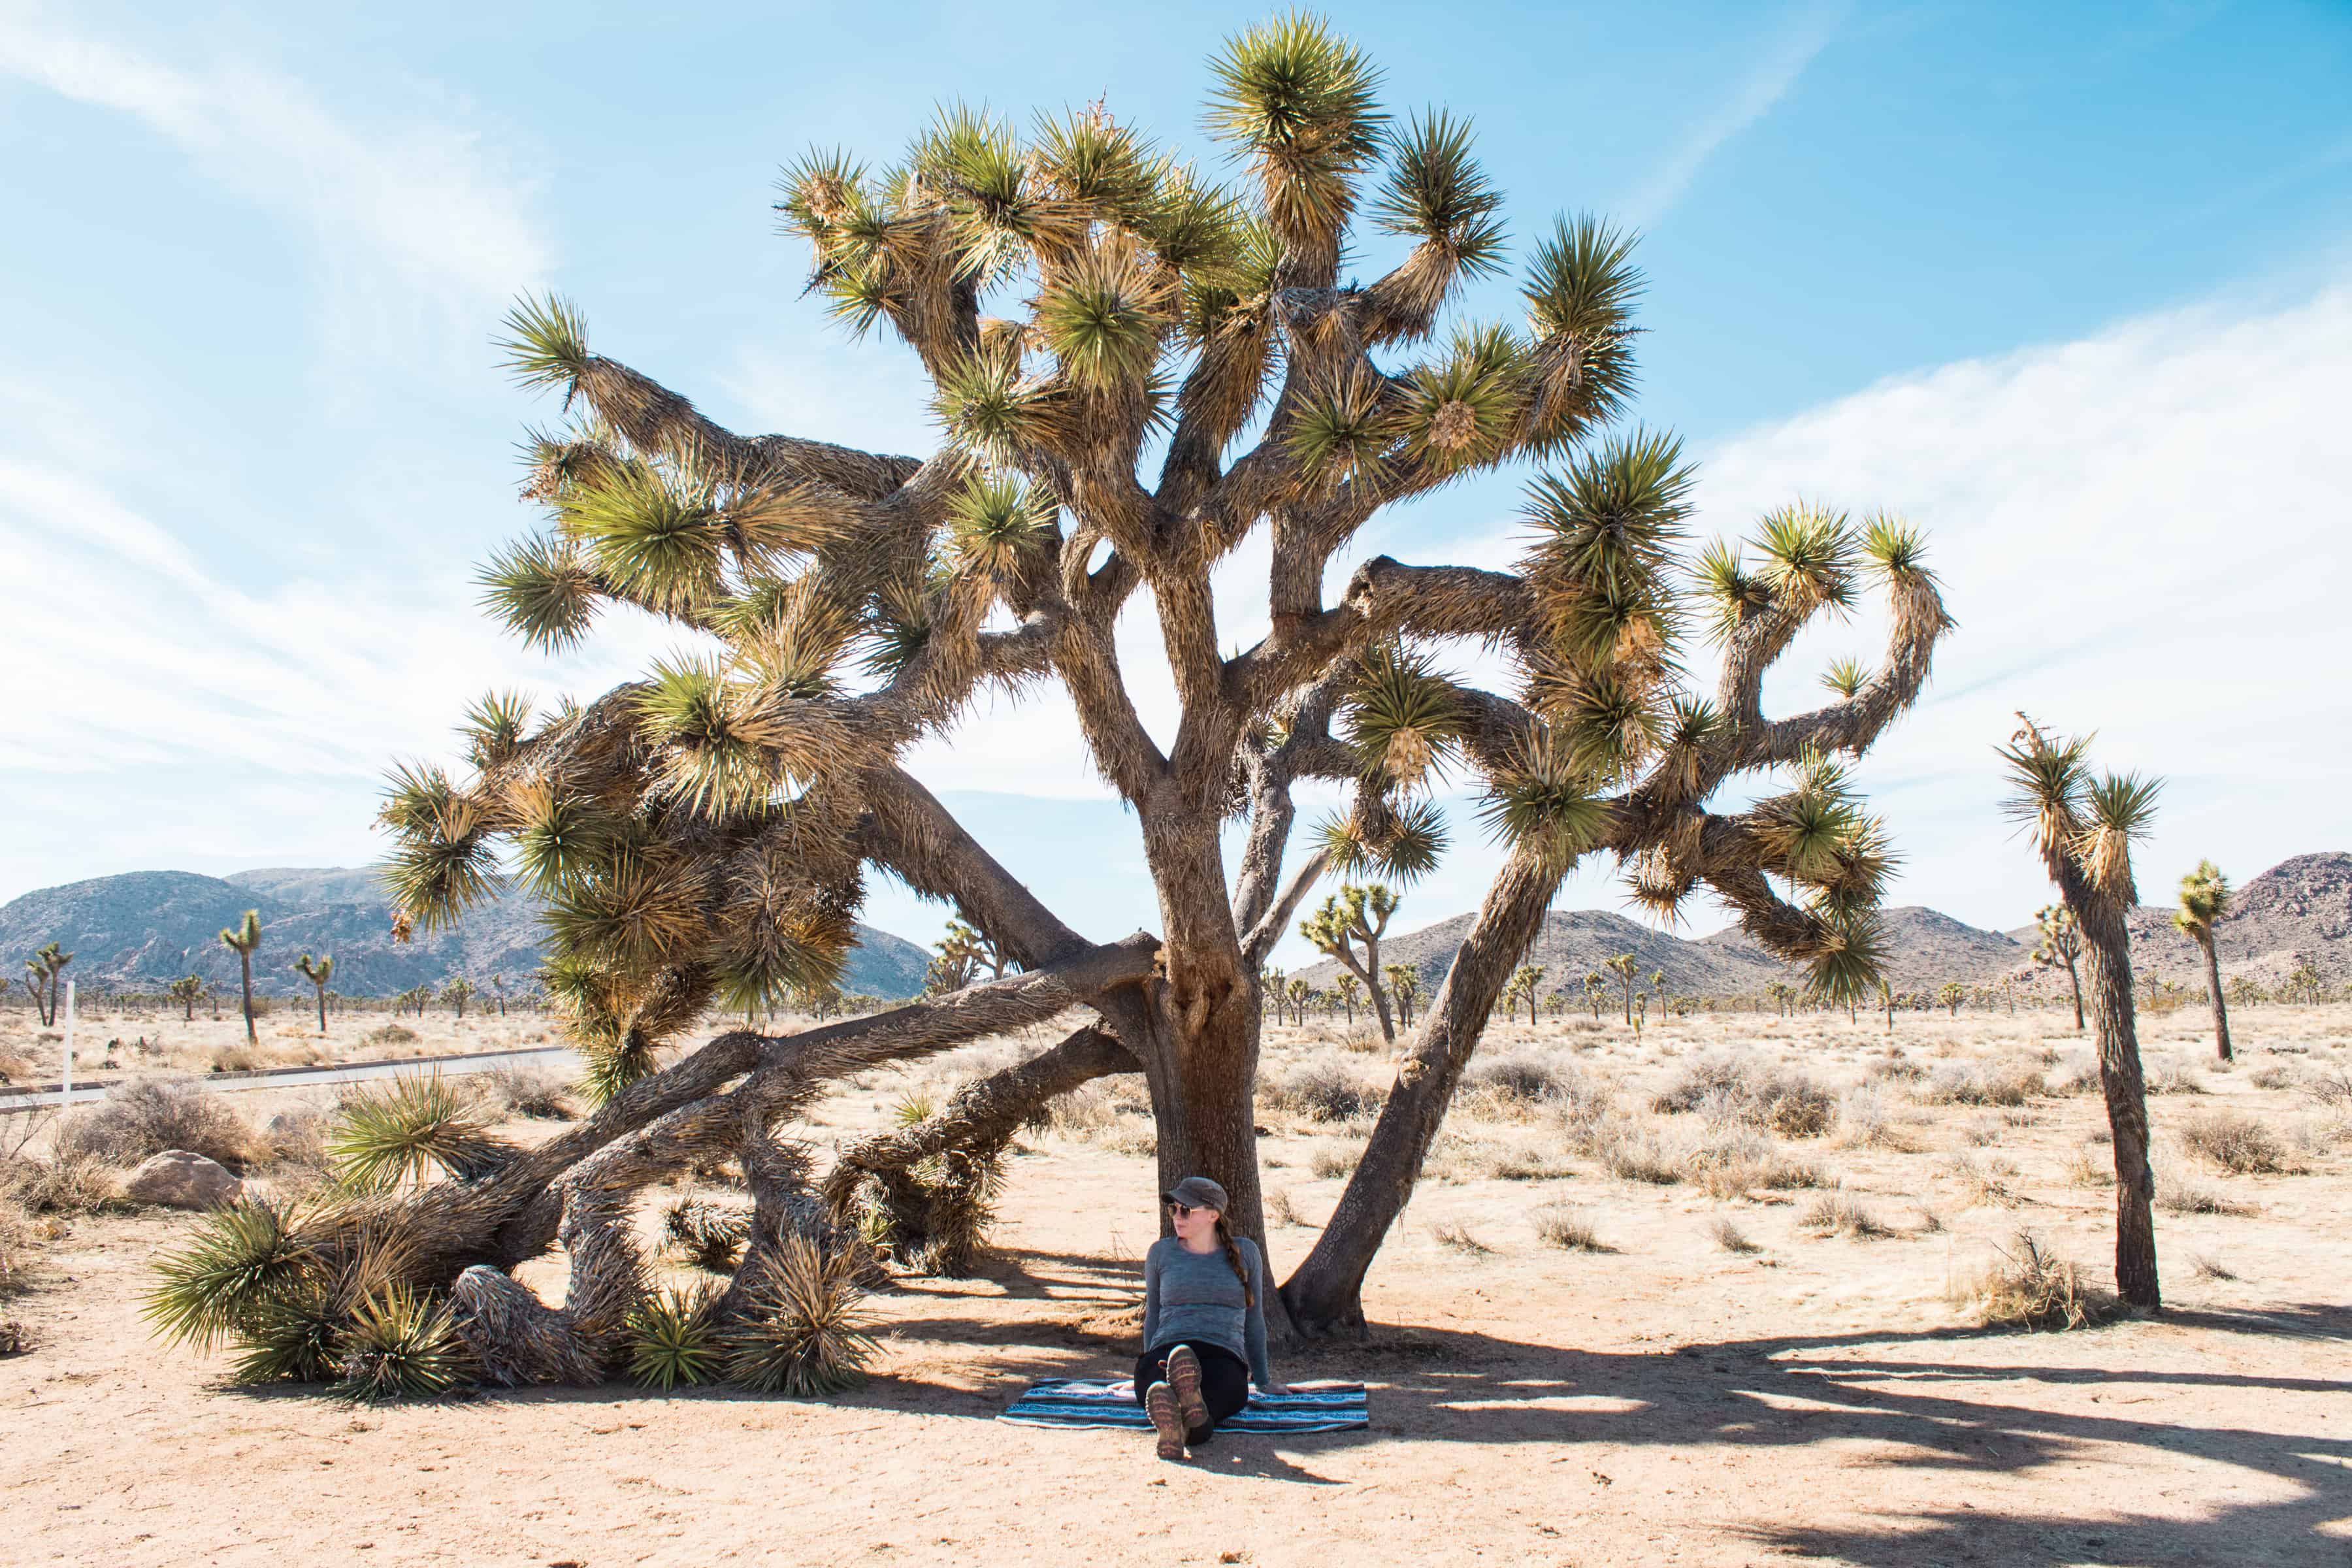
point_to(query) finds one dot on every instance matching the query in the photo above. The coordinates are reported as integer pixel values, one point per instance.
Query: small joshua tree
(2204, 899)
(187, 991)
(1622, 967)
(2061, 947)
(318, 972)
(1526, 978)
(1951, 993)
(1347, 987)
(241, 940)
(459, 992)
(41, 972)
(2084, 827)
(1404, 985)
(1351, 917)
(1595, 987)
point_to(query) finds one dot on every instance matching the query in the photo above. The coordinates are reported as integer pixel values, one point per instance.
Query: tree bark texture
(1326, 1295)
(2213, 989)
(2107, 953)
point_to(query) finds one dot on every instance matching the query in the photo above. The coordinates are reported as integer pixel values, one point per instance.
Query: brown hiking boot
(1184, 1379)
(1159, 1404)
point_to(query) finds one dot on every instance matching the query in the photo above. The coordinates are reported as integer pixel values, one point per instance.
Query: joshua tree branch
(1852, 725)
(925, 846)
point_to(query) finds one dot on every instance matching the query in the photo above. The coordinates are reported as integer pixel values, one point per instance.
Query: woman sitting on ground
(1203, 1321)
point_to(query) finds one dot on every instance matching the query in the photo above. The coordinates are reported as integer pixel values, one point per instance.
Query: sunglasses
(1182, 1210)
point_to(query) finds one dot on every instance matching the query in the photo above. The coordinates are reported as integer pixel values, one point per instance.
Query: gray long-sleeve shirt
(1196, 1296)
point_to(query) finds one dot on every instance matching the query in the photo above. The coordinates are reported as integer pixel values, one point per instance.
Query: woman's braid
(1233, 1256)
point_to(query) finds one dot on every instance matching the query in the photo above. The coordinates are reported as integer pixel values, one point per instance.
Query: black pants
(1225, 1381)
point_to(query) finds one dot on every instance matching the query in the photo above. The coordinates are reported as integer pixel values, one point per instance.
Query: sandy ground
(1823, 1399)
(112, 1042)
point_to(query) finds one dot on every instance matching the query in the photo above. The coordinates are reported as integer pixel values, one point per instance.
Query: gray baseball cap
(1197, 1192)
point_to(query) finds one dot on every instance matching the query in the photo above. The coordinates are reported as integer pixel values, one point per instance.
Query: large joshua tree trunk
(1325, 1297)
(2106, 953)
(2213, 990)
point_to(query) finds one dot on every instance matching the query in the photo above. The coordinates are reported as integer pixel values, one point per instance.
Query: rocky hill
(144, 928)
(2297, 911)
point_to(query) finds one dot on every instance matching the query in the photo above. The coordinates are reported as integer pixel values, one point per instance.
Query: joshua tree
(1525, 980)
(317, 971)
(2204, 899)
(498, 989)
(2061, 947)
(703, 832)
(41, 979)
(1887, 1004)
(1405, 985)
(242, 939)
(1951, 993)
(1299, 992)
(459, 991)
(1270, 983)
(187, 991)
(1594, 988)
(2084, 828)
(1351, 916)
(1621, 966)
(1347, 987)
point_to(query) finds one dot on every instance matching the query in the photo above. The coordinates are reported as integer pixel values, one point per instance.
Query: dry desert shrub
(2086, 1167)
(528, 1092)
(1758, 1093)
(148, 1116)
(1086, 1112)
(1835, 1214)
(1984, 1083)
(2235, 1142)
(1523, 1077)
(1732, 1160)
(2033, 1287)
(2169, 1076)
(1985, 1182)
(1332, 1161)
(390, 1036)
(2272, 1077)
(1867, 1119)
(1633, 1153)
(2331, 1086)
(2205, 1267)
(1321, 1089)
(2188, 1197)
(1894, 1068)
(1280, 1209)
(21, 1235)
(71, 1182)
(1568, 1227)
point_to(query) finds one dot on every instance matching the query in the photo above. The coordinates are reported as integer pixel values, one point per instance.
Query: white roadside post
(65, 1087)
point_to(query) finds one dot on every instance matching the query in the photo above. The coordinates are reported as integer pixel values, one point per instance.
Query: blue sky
(2071, 286)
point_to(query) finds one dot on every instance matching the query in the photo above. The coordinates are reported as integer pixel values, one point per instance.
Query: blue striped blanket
(1083, 1402)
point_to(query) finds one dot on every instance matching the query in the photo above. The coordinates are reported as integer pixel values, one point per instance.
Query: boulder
(177, 1179)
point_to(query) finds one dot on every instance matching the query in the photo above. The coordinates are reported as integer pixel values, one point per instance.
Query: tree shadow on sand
(1945, 1414)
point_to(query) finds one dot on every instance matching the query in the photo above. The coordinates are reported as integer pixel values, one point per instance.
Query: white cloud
(417, 226)
(1766, 84)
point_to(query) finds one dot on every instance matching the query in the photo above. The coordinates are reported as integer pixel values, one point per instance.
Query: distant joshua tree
(2084, 827)
(1887, 1004)
(498, 988)
(1595, 987)
(187, 991)
(460, 991)
(1299, 992)
(41, 980)
(1356, 915)
(2204, 899)
(1348, 986)
(2061, 946)
(1525, 981)
(1404, 987)
(1951, 993)
(317, 971)
(241, 940)
(1622, 967)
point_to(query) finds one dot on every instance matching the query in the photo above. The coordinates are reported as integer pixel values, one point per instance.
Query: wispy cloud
(1765, 85)
(416, 226)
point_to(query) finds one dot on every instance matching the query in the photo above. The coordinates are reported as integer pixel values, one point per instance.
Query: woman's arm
(1150, 1294)
(1254, 1328)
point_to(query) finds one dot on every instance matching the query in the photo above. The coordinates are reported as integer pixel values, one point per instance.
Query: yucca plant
(239, 1259)
(805, 1329)
(401, 1344)
(674, 1337)
(2204, 899)
(1142, 371)
(421, 1126)
(2084, 826)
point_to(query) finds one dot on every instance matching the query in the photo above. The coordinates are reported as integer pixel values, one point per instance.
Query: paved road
(560, 1058)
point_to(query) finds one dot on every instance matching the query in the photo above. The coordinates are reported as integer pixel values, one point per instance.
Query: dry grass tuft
(1454, 1234)
(1568, 1227)
(1834, 1213)
(1867, 1119)
(2033, 1287)
(1731, 1238)
(2187, 1197)
(2204, 1267)
(1331, 1161)
(2235, 1142)
(1637, 1154)
(2330, 1085)
(2172, 1077)
(529, 1092)
(2087, 1168)
(1985, 1182)
(1280, 1210)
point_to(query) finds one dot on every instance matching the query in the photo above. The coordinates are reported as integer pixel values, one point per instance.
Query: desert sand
(1829, 1397)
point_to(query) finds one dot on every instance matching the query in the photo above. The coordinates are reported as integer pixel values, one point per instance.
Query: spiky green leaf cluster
(422, 1125)
(674, 1337)
(401, 1344)
(806, 1331)
(1436, 192)
(1402, 717)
